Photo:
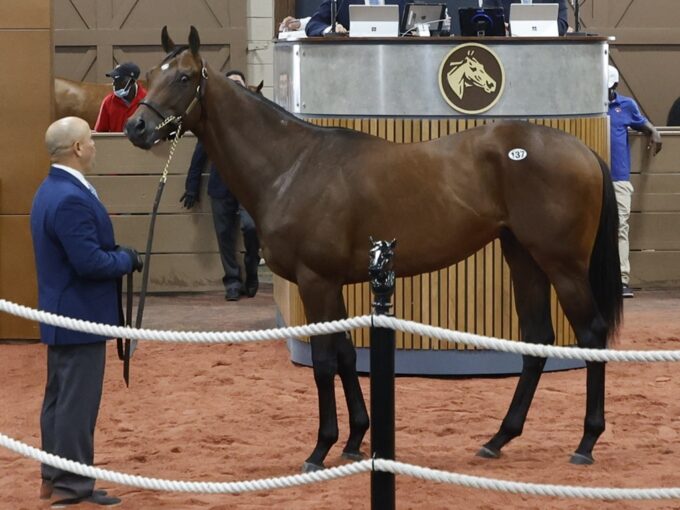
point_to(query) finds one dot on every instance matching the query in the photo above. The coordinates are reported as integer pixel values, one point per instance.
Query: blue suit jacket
(75, 257)
(562, 19)
(322, 17)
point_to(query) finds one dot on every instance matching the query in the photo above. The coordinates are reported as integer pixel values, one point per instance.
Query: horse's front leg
(325, 365)
(358, 415)
(323, 302)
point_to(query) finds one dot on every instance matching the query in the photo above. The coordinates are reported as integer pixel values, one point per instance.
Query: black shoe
(96, 498)
(627, 292)
(233, 294)
(47, 489)
(252, 284)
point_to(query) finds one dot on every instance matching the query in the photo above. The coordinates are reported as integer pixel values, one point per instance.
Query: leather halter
(198, 95)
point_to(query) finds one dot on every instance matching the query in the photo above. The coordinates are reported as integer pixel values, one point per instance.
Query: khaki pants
(624, 192)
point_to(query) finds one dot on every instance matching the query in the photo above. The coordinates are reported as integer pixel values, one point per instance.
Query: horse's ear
(259, 87)
(370, 238)
(167, 43)
(194, 40)
(393, 243)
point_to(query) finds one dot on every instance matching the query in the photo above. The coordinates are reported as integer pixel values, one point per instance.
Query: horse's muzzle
(141, 133)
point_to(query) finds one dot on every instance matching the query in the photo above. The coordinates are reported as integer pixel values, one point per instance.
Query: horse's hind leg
(532, 298)
(575, 295)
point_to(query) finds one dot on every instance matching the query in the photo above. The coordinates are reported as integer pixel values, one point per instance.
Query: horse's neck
(250, 142)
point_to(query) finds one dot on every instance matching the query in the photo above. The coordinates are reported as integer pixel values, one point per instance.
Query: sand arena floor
(229, 413)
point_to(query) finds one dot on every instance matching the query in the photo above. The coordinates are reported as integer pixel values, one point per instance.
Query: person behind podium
(320, 22)
(562, 19)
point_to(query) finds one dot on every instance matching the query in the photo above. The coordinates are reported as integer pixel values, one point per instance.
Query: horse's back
(79, 99)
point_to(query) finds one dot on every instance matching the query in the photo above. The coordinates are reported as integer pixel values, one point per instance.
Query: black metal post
(383, 495)
(577, 16)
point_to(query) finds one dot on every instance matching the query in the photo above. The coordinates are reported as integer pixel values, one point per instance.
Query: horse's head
(175, 88)
(473, 73)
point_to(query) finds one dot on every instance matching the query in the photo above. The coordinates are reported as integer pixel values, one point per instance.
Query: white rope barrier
(184, 486)
(482, 342)
(356, 467)
(388, 466)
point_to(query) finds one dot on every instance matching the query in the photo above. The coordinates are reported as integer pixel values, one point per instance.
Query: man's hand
(339, 29)
(189, 199)
(289, 24)
(135, 257)
(654, 144)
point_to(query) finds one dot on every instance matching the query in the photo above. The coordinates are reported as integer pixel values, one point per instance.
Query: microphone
(334, 14)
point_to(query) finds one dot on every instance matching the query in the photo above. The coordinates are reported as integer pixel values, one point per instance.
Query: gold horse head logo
(469, 72)
(471, 78)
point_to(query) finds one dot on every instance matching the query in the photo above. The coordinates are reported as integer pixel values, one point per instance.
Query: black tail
(605, 268)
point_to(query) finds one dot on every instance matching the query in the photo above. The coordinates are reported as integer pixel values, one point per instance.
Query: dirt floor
(231, 413)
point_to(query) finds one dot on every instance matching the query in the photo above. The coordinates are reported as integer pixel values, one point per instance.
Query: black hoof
(488, 453)
(353, 456)
(308, 467)
(581, 460)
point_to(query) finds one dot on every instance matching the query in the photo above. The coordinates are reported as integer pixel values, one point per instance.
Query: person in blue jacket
(320, 22)
(78, 266)
(227, 214)
(624, 113)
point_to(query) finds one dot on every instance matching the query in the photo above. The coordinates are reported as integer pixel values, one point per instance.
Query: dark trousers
(227, 216)
(75, 375)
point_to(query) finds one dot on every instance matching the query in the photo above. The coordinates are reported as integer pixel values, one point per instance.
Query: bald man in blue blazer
(78, 265)
(562, 19)
(321, 20)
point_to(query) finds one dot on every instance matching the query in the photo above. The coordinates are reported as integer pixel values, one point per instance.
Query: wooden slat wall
(655, 216)
(474, 295)
(184, 254)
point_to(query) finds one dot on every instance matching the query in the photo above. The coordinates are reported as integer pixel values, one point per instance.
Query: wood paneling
(655, 219)
(91, 37)
(645, 49)
(18, 282)
(25, 108)
(474, 295)
(25, 103)
(25, 15)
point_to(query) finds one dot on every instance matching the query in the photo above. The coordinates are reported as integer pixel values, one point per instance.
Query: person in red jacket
(123, 101)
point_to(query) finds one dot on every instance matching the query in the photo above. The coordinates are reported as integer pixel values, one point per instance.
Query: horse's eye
(184, 78)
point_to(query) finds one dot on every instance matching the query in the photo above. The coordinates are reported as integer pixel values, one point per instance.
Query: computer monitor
(476, 22)
(534, 20)
(417, 13)
(374, 20)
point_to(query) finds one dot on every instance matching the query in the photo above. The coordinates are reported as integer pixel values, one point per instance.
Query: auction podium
(411, 90)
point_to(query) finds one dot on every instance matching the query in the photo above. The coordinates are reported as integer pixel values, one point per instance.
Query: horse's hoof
(488, 453)
(353, 456)
(308, 467)
(581, 460)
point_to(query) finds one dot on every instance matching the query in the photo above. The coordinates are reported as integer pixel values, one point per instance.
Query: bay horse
(317, 195)
(79, 99)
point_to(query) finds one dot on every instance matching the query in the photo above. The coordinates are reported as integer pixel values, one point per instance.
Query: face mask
(122, 93)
